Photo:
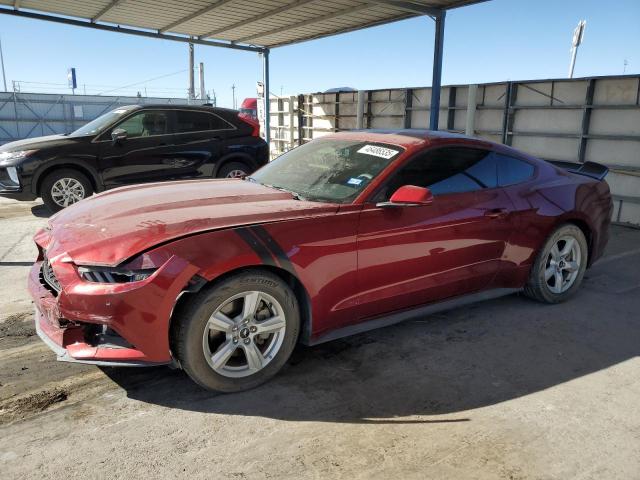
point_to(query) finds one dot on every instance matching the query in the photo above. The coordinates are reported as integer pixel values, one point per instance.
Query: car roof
(414, 138)
(405, 137)
(173, 106)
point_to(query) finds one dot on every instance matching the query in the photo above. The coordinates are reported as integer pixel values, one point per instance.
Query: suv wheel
(239, 333)
(234, 170)
(64, 187)
(559, 266)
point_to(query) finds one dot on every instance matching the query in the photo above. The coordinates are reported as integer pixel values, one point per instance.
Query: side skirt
(398, 317)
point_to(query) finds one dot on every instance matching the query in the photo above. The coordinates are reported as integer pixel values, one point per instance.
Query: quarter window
(192, 121)
(447, 170)
(512, 170)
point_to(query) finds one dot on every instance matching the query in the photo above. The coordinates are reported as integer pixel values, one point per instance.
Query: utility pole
(578, 35)
(203, 92)
(233, 90)
(4, 78)
(192, 89)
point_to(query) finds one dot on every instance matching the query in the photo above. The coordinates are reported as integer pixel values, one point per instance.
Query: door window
(512, 170)
(192, 121)
(447, 170)
(146, 124)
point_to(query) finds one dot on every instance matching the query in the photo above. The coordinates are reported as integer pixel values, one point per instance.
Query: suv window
(447, 170)
(512, 170)
(192, 121)
(145, 124)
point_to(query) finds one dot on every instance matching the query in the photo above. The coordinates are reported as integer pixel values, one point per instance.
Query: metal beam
(410, 7)
(104, 11)
(304, 23)
(129, 31)
(436, 83)
(267, 103)
(200, 12)
(262, 16)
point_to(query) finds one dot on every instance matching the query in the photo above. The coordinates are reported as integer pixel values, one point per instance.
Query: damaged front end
(116, 316)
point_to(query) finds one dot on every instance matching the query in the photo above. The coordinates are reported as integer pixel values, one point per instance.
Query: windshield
(98, 125)
(328, 170)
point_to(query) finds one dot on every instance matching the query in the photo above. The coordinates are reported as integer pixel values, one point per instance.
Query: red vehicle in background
(249, 108)
(349, 232)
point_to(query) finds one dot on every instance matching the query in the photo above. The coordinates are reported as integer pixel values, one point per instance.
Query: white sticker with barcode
(376, 151)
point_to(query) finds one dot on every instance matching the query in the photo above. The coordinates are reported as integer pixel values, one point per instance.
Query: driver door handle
(496, 213)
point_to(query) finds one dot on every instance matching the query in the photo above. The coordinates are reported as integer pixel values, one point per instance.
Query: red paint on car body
(353, 262)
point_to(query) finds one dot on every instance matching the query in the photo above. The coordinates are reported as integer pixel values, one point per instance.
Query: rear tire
(559, 267)
(225, 344)
(64, 187)
(234, 170)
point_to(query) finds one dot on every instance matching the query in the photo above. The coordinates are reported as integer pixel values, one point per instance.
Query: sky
(489, 42)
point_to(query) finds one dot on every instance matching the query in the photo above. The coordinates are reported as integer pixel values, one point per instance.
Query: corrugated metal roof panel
(266, 23)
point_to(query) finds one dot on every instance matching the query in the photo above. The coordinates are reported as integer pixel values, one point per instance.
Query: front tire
(64, 187)
(238, 333)
(559, 267)
(234, 170)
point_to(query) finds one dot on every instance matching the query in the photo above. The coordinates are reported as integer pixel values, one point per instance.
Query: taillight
(251, 122)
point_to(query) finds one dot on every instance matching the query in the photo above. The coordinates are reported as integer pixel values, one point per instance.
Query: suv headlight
(10, 157)
(114, 275)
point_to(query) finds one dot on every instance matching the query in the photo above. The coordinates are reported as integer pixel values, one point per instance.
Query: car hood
(38, 143)
(111, 227)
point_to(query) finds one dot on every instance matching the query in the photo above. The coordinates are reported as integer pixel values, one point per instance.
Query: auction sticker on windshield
(376, 151)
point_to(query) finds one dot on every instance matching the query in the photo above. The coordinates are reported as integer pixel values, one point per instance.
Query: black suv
(133, 144)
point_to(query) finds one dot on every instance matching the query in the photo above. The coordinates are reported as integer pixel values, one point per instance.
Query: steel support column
(267, 105)
(437, 70)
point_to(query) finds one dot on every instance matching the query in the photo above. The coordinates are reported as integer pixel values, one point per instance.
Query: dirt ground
(506, 389)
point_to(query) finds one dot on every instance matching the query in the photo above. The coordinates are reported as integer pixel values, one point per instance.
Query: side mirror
(409, 196)
(118, 135)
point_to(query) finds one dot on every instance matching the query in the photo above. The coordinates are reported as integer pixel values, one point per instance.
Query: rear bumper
(81, 322)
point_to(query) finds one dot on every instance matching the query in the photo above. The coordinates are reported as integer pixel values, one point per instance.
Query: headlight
(13, 175)
(10, 157)
(114, 275)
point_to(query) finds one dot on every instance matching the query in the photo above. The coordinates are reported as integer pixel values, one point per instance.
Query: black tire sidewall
(537, 285)
(231, 166)
(190, 332)
(53, 177)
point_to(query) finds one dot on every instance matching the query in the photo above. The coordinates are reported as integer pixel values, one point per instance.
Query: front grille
(48, 278)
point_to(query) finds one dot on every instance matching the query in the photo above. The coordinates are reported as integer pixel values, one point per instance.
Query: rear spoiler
(588, 169)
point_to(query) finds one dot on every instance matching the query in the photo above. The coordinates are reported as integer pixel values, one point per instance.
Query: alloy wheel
(236, 174)
(67, 191)
(244, 334)
(563, 264)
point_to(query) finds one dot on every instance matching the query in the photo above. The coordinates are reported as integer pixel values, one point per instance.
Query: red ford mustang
(347, 233)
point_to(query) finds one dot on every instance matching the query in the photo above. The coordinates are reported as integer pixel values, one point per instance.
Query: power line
(144, 81)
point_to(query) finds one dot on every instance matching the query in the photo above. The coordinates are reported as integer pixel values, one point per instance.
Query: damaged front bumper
(108, 324)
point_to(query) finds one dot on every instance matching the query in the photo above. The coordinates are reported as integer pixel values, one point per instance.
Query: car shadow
(443, 365)
(40, 211)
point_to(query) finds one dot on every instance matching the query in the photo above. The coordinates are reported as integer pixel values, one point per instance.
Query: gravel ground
(506, 389)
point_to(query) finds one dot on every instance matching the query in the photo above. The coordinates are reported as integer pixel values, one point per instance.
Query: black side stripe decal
(274, 248)
(256, 246)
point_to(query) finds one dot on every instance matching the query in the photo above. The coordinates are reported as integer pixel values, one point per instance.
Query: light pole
(4, 78)
(578, 35)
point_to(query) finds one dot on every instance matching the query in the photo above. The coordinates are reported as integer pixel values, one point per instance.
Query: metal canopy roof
(257, 24)
(253, 25)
